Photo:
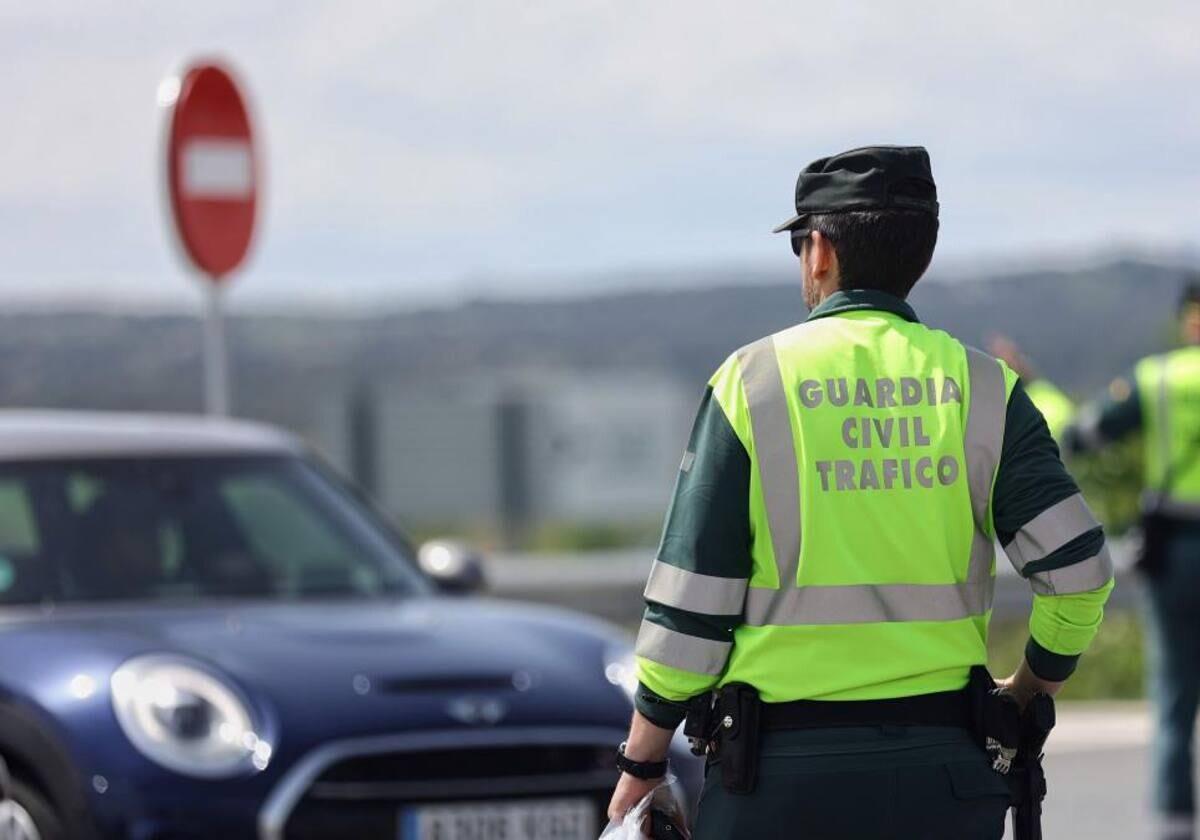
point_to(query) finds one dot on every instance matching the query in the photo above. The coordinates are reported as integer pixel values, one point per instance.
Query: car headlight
(185, 719)
(620, 669)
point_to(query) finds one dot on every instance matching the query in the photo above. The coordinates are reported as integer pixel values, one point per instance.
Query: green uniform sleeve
(1116, 414)
(1052, 539)
(698, 583)
(1061, 628)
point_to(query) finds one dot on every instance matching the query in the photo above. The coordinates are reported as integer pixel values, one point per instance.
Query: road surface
(1097, 765)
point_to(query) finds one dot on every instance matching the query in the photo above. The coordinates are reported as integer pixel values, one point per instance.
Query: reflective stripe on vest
(707, 594)
(1164, 423)
(775, 453)
(679, 650)
(775, 457)
(982, 442)
(1084, 576)
(1051, 530)
(1169, 390)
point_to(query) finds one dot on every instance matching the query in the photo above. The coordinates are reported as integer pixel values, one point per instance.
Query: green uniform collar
(857, 300)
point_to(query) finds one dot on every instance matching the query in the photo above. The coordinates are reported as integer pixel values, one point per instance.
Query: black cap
(870, 178)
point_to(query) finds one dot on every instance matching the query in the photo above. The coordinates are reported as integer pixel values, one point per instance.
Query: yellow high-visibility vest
(1056, 407)
(874, 444)
(1169, 392)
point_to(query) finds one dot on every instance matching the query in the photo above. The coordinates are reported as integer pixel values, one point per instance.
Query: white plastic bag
(661, 798)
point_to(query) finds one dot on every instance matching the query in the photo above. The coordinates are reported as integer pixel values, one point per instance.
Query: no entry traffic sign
(212, 181)
(212, 173)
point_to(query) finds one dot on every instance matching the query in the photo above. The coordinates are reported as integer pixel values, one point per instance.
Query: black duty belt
(947, 708)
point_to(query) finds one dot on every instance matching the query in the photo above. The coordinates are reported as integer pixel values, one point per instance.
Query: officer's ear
(821, 258)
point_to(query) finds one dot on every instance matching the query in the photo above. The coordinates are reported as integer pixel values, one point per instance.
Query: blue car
(205, 633)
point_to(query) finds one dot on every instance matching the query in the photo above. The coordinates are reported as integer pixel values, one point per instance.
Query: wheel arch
(35, 756)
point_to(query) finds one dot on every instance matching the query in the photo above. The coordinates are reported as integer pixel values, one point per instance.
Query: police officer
(1055, 406)
(1161, 399)
(829, 545)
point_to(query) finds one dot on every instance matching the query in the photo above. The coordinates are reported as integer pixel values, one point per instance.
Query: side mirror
(456, 568)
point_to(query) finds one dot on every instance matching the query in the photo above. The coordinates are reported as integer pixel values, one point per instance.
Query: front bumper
(359, 787)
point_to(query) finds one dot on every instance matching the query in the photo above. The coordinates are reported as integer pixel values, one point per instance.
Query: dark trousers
(880, 783)
(1173, 613)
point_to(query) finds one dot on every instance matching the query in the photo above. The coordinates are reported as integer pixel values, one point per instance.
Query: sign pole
(213, 186)
(216, 362)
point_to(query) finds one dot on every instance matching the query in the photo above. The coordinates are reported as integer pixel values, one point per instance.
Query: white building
(534, 447)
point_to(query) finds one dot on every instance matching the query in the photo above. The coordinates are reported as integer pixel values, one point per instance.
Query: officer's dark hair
(887, 250)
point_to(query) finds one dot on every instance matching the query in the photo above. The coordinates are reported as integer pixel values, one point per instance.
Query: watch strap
(645, 770)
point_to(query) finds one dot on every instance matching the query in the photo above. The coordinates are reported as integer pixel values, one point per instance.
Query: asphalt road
(1097, 766)
(1099, 794)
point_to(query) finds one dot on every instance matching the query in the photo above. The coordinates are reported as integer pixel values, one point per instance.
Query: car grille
(361, 796)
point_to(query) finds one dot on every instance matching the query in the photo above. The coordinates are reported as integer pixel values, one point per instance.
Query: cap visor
(791, 223)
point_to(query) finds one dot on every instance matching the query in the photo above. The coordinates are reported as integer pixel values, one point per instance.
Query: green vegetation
(548, 538)
(1111, 670)
(598, 536)
(1111, 481)
(477, 534)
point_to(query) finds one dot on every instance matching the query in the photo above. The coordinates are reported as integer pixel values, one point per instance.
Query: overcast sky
(424, 150)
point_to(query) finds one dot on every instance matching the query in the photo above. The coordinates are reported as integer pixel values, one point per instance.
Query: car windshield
(154, 529)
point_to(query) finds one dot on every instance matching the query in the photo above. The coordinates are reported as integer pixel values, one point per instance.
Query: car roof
(35, 435)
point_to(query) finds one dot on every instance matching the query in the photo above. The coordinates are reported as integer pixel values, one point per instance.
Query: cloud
(432, 140)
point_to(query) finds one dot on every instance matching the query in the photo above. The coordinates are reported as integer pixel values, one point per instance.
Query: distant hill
(1081, 326)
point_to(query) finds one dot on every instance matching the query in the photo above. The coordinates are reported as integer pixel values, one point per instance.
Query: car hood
(341, 669)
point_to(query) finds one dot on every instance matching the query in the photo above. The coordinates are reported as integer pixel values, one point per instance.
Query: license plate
(530, 819)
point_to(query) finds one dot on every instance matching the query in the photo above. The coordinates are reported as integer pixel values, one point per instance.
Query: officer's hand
(630, 791)
(1005, 686)
(1023, 685)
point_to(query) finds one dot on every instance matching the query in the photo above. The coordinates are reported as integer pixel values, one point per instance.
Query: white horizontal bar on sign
(218, 168)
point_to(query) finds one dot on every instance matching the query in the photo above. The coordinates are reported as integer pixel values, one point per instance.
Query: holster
(700, 725)
(1028, 779)
(739, 736)
(1013, 741)
(1157, 529)
(995, 719)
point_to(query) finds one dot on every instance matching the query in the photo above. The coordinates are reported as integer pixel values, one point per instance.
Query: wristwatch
(640, 769)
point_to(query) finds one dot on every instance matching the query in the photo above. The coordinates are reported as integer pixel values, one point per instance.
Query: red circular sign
(211, 170)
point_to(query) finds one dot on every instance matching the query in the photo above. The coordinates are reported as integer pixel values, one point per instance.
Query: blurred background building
(513, 452)
(552, 423)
